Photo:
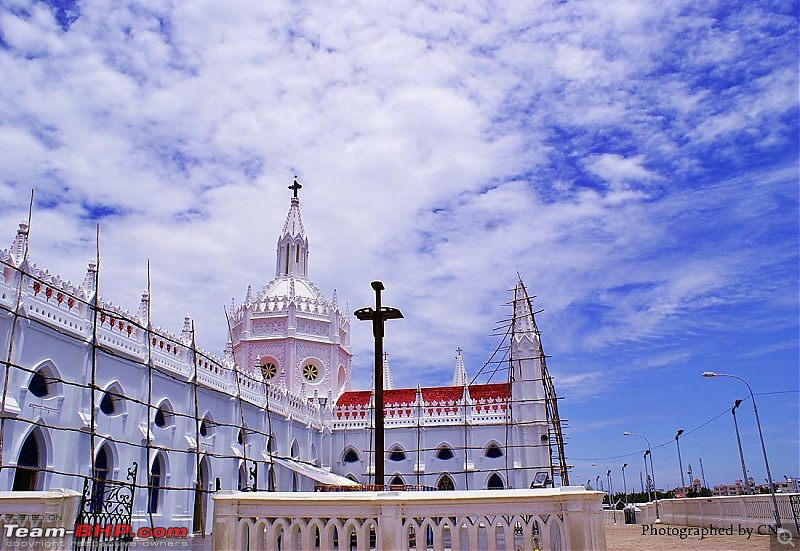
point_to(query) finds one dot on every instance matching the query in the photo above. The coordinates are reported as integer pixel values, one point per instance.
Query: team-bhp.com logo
(117, 531)
(96, 531)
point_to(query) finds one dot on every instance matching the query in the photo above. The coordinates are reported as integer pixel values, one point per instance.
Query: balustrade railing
(748, 511)
(552, 518)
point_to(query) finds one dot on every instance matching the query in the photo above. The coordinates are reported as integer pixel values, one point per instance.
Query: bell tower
(288, 333)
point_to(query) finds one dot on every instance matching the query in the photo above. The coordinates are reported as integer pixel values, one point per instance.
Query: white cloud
(609, 152)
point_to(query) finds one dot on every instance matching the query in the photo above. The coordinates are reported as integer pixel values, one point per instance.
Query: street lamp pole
(624, 484)
(745, 480)
(652, 471)
(610, 490)
(680, 464)
(378, 316)
(761, 438)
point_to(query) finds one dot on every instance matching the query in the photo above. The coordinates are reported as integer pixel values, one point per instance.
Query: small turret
(90, 280)
(186, 332)
(460, 375)
(20, 245)
(144, 307)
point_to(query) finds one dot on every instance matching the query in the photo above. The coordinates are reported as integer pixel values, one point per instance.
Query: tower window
(310, 372)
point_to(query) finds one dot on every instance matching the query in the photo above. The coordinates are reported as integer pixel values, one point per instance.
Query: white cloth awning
(314, 473)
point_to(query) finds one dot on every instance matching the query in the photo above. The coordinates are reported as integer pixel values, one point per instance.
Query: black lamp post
(378, 316)
(775, 512)
(624, 485)
(652, 470)
(680, 464)
(745, 480)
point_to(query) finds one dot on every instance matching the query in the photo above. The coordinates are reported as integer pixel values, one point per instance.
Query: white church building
(89, 390)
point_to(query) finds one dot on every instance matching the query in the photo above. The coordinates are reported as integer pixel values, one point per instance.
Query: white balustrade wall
(54, 509)
(751, 511)
(566, 518)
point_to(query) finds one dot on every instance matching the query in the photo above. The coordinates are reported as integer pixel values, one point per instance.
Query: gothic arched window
(350, 456)
(38, 385)
(444, 452)
(155, 483)
(495, 482)
(397, 454)
(493, 451)
(445, 483)
(26, 475)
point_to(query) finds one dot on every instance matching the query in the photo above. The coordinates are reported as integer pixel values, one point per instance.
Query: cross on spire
(385, 356)
(295, 186)
(458, 350)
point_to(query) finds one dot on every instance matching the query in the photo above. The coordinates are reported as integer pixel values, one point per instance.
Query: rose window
(310, 372)
(269, 370)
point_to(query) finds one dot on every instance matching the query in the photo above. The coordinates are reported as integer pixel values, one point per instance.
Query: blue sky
(635, 162)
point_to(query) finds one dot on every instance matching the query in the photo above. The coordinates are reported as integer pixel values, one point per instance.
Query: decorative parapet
(552, 518)
(474, 405)
(67, 308)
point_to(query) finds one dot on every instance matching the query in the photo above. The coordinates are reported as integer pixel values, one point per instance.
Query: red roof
(496, 392)
(354, 398)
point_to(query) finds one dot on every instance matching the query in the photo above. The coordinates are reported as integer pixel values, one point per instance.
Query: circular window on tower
(310, 372)
(268, 370)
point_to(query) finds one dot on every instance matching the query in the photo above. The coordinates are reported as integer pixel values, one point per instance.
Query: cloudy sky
(635, 162)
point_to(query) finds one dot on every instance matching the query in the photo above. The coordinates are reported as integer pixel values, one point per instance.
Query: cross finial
(295, 186)
(458, 350)
(385, 356)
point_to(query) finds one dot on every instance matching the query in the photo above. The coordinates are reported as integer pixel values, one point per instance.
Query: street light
(709, 374)
(610, 489)
(652, 471)
(624, 485)
(378, 316)
(745, 480)
(680, 464)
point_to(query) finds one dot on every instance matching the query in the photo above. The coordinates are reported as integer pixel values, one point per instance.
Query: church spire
(292, 253)
(460, 375)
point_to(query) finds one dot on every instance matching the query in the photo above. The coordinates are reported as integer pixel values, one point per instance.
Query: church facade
(90, 389)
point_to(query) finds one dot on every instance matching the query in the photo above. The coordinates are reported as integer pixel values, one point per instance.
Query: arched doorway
(102, 472)
(29, 463)
(157, 472)
(201, 497)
